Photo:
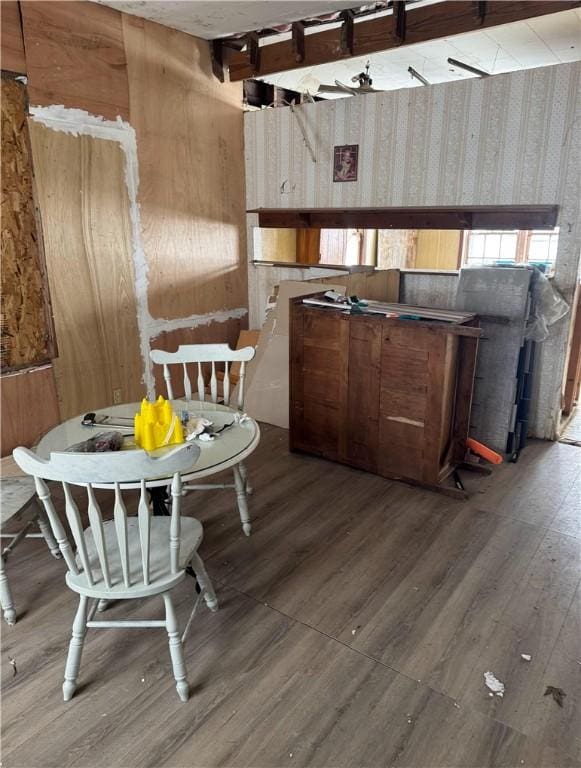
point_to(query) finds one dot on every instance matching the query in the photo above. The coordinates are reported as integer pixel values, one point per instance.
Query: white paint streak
(156, 327)
(77, 122)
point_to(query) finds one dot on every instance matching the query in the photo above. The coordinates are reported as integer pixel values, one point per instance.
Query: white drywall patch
(157, 327)
(77, 122)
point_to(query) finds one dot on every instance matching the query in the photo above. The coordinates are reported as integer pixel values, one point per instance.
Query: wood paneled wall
(190, 147)
(88, 251)
(75, 56)
(12, 58)
(191, 195)
(29, 407)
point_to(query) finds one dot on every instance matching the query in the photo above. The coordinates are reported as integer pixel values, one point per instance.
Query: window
(489, 247)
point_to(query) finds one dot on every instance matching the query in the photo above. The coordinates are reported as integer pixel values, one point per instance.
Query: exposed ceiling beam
(431, 22)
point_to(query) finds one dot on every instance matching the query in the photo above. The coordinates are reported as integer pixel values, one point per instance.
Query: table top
(227, 449)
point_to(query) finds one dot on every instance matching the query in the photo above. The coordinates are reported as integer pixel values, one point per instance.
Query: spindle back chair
(130, 556)
(198, 355)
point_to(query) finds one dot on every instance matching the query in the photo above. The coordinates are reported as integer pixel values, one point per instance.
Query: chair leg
(75, 649)
(242, 503)
(176, 650)
(46, 531)
(204, 582)
(244, 475)
(6, 600)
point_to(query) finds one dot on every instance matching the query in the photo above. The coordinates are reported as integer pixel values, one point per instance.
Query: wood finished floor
(355, 627)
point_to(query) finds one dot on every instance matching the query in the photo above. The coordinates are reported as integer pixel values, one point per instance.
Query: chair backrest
(118, 470)
(205, 353)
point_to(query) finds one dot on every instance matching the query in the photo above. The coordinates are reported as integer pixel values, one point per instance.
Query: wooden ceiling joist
(404, 27)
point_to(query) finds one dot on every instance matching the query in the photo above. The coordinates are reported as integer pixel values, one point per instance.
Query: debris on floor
(558, 694)
(494, 684)
(526, 656)
(13, 665)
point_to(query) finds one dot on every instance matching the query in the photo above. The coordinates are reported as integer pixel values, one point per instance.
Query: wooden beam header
(412, 25)
(476, 217)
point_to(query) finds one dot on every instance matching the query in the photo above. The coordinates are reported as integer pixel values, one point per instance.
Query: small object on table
(92, 420)
(195, 427)
(103, 441)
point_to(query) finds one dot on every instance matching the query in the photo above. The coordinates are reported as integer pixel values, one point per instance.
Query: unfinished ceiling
(537, 42)
(213, 18)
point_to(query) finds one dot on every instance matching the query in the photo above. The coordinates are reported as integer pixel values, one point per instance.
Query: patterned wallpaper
(508, 139)
(498, 140)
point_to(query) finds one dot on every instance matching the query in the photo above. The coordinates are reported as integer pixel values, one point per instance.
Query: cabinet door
(362, 415)
(403, 401)
(319, 364)
(418, 379)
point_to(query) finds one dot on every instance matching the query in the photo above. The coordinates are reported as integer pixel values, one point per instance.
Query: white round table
(227, 449)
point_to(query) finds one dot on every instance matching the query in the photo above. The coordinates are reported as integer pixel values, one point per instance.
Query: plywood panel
(75, 56)
(24, 322)
(191, 165)
(12, 44)
(84, 205)
(29, 407)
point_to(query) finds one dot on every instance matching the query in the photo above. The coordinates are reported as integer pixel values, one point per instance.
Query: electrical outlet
(116, 397)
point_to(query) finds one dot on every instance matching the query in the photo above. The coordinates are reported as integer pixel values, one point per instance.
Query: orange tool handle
(482, 450)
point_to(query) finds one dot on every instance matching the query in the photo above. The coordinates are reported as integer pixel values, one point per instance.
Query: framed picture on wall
(345, 161)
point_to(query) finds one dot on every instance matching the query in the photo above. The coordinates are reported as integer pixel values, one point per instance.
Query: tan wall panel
(29, 407)
(75, 56)
(84, 205)
(12, 44)
(438, 249)
(25, 325)
(191, 167)
(279, 245)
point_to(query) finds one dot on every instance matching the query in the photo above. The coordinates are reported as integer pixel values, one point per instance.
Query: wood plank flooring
(355, 628)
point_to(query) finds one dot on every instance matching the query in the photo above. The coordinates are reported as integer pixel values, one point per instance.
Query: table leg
(159, 501)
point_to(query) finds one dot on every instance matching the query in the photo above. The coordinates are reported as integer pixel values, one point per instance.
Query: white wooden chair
(129, 557)
(19, 505)
(198, 354)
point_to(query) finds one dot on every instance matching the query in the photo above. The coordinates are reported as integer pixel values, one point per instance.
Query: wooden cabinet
(385, 395)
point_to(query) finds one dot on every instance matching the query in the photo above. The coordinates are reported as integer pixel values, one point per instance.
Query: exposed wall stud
(347, 35)
(298, 32)
(399, 20)
(252, 42)
(217, 57)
